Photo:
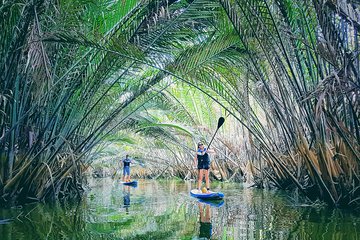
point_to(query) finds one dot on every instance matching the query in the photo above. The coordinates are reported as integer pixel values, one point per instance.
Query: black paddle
(220, 123)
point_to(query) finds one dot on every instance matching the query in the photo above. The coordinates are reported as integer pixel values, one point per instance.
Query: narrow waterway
(164, 210)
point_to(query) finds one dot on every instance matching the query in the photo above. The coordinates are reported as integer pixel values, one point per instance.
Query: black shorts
(204, 164)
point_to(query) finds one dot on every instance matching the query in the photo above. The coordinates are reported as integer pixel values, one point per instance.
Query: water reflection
(205, 221)
(164, 210)
(126, 197)
(126, 192)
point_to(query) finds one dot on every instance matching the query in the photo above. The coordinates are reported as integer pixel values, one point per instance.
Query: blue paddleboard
(130, 183)
(206, 196)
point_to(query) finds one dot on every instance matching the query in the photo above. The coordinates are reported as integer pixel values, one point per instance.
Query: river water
(165, 210)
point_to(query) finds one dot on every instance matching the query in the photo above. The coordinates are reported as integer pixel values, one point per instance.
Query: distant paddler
(126, 168)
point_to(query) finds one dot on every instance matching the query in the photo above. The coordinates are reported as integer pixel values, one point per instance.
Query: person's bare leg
(200, 177)
(207, 180)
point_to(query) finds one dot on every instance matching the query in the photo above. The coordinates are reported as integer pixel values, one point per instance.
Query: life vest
(201, 156)
(127, 162)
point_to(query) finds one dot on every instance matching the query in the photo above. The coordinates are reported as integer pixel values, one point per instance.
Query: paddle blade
(220, 122)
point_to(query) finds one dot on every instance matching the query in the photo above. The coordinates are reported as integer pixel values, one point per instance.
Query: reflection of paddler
(126, 198)
(205, 222)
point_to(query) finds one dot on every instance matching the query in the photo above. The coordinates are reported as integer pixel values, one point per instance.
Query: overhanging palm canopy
(77, 76)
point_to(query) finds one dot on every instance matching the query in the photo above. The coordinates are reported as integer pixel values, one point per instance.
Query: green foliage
(79, 76)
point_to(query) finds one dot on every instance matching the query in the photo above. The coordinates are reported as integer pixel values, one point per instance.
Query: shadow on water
(164, 210)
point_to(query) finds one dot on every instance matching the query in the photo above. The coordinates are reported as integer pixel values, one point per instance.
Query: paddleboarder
(203, 165)
(126, 170)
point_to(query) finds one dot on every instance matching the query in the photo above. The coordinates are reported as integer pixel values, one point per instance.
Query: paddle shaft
(212, 138)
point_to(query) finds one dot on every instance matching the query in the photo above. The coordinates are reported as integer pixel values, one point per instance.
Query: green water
(164, 210)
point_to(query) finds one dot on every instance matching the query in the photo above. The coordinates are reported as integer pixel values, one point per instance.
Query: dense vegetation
(143, 76)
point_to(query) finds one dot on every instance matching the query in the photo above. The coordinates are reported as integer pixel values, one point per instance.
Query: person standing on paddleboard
(126, 170)
(203, 165)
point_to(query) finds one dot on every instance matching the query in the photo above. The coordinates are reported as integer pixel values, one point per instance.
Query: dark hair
(200, 143)
(127, 155)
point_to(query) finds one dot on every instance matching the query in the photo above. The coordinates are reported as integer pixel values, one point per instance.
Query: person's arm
(210, 150)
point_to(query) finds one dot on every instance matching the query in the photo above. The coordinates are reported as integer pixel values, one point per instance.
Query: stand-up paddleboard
(207, 196)
(132, 183)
